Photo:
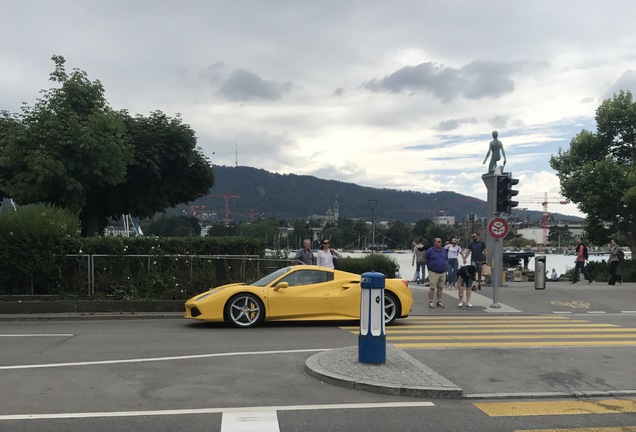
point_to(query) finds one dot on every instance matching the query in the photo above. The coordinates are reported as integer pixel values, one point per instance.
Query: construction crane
(195, 209)
(252, 214)
(226, 197)
(546, 216)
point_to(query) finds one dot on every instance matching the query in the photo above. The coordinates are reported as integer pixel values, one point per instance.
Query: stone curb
(91, 316)
(401, 375)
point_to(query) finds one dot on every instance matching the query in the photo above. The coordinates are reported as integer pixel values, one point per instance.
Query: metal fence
(146, 276)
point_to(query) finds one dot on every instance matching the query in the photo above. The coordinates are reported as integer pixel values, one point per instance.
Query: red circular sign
(498, 228)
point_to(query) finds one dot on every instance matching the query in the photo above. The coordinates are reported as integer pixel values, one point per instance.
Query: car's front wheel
(391, 308)
(245, 310)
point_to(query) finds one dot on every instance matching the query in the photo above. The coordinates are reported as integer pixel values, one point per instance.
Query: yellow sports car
(296, 293)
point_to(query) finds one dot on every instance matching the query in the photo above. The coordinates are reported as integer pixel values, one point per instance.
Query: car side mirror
(282, 285)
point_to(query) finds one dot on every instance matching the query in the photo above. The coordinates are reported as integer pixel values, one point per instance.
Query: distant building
(444, 220)
(534, 234)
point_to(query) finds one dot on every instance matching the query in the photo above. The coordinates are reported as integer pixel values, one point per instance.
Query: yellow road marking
(499, 337)
(522, 330)
(498, 326)
(515, 344)
(514, 409)
(482, 318)
(596, 429)
(483, 322)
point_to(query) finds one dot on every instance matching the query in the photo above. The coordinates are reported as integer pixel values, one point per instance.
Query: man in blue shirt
(435, 260)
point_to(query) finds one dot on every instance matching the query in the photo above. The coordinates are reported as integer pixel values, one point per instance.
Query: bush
(600, 270)
(33, 240)
(372, 262)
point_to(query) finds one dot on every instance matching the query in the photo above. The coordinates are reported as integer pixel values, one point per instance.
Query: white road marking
(629, 312)
(561, 312)
(39, 335)
(477, 299)
(155, 359)
(250, 421)
(214, 410)
(596, 312)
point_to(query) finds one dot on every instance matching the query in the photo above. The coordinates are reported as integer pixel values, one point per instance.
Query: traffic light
(505, 182)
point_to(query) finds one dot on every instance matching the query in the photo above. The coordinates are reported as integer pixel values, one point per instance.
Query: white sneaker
(460, 304)
(469, 305)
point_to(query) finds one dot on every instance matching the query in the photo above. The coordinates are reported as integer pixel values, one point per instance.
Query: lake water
(561, 263)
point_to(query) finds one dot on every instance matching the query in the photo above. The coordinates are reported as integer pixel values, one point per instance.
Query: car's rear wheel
(391, 308)
(245, 310)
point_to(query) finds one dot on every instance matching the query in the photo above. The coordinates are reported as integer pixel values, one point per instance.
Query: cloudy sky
(401, 94)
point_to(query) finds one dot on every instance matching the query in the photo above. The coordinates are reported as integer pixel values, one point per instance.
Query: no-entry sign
(498, 228)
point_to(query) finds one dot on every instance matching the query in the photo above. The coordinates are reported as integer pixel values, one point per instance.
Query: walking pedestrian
(579, 262)
(435, 260)
(613, 261)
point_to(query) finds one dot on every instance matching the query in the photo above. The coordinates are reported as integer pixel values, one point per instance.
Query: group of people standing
(443, 268)
(326, 257)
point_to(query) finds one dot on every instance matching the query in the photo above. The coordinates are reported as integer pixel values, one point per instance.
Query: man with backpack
(579, 263)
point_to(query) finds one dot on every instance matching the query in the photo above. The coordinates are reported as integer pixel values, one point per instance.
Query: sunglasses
(325, 242)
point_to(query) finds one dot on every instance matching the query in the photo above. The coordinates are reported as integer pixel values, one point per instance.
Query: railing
(145, 276)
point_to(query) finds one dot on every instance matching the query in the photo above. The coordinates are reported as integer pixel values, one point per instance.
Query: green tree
(398, 235)
(421, 227)
(167, 169)
(72, 150)
(68, 143)
(597, 172)
(172, 226)
(560, 235)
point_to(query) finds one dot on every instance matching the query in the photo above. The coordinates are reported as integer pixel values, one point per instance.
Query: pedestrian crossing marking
(585, 343)
(561, 329)
(506, 325)
(486, 318)
(505, 332)
(595, 429)
(546, 408)
(500, 337)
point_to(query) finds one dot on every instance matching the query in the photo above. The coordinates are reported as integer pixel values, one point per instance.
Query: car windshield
(270, 277)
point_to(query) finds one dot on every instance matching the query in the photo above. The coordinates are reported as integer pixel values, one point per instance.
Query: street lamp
(372, 204)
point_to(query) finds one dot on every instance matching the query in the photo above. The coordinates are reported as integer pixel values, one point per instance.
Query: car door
(308, 295)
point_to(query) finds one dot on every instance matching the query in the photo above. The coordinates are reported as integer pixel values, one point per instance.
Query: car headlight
(204, 296)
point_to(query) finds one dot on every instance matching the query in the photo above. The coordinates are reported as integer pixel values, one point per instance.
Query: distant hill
(290, 197)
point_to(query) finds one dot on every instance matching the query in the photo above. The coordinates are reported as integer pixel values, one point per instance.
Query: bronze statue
(497, 150)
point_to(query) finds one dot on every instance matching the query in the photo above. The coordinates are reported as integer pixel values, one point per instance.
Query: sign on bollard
(372, 340)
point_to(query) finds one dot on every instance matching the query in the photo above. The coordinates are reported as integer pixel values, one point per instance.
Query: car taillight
(405, 282)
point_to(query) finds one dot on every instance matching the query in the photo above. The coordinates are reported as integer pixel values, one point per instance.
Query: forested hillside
(289, 197)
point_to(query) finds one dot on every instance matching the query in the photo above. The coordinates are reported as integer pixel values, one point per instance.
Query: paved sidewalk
(401, 375)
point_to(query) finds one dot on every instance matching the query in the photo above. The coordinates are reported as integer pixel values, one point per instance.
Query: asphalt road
(176, 375)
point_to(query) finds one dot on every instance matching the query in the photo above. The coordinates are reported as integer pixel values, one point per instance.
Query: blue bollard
(372, 340)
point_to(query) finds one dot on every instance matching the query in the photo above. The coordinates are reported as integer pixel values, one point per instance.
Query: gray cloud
(431, 77)
(627, 81)
(476, 80)
(243, 85)
(449, 125)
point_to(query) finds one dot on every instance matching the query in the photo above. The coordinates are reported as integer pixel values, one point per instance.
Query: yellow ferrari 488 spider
(296, 293)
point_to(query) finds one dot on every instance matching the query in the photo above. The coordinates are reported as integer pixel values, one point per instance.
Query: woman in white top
(325, 255)
(453, 250)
